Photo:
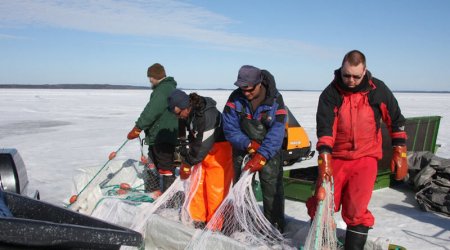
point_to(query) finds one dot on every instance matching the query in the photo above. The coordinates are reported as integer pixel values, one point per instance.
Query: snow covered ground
(59, 131)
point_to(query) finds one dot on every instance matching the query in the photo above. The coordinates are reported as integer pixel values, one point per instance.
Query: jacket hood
(166, 81)
(270, 85)
(208, 103)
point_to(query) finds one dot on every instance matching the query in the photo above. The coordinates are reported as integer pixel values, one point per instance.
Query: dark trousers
(162, 154)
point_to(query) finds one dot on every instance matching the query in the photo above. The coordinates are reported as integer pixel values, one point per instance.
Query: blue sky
(204, 43)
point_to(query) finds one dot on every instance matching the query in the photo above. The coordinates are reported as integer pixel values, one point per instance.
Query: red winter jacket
(348, 120)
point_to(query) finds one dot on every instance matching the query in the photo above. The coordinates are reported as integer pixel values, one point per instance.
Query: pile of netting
(239, 223)
(168, 224)
(125, 191)
(98, 190)
(322, 233)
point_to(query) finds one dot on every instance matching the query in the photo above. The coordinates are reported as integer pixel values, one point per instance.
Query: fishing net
(239, 223)
(152, 180)
(167, 224)
(121, 178)
(172, 204)
(322, 233)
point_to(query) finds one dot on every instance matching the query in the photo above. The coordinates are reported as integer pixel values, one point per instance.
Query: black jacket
(205, 128)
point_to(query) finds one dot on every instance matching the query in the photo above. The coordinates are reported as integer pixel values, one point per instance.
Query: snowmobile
(296, 144)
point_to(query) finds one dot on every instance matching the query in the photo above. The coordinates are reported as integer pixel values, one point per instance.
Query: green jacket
(159, 124)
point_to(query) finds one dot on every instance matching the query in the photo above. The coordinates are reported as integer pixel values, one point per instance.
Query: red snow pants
(353, 185)
(213, 184)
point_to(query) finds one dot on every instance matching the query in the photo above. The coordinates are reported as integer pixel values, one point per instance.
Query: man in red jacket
(349, 143)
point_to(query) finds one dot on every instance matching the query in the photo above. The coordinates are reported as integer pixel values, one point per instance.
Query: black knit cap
(178, 98)
(156, 71)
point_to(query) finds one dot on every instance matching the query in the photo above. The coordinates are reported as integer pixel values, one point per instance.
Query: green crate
(422, 133)
(299, 184)
(383, 180)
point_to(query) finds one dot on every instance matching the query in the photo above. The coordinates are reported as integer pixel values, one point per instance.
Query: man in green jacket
(160, 127)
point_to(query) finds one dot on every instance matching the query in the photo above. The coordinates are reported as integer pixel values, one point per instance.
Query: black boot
(167, 181)
(355, 237)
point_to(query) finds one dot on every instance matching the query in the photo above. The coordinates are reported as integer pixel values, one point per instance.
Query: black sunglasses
(249, 89)
(352, 76)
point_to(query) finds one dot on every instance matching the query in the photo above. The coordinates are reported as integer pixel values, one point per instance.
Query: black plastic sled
(39, 225)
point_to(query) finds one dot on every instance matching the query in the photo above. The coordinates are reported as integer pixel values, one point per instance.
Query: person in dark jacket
(254, 120)
(208, 153)
(160, 127)
(349, 143)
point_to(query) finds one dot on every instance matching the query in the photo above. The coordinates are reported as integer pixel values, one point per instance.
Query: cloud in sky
(9, 37)
(151, 18)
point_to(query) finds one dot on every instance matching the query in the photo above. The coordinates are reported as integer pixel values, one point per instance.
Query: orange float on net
(156, 194)
(333, 224)
(125, 186)
(121, 191)
(321, 194)
(144, 159)
(112, 155)
(73, 198)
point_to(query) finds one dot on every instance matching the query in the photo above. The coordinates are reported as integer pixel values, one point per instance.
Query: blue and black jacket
(271, 113)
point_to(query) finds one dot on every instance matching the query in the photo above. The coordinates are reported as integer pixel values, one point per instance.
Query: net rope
(121, 178)
(322, 233)
(81, 195)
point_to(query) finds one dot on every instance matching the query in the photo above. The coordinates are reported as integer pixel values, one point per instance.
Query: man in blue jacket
(254, 120)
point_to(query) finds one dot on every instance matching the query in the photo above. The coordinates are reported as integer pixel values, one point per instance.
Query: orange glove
(325, 169)
(399, 163)
(325, 174)
(185, 171)
(253, 146)
(134, 133)
(256, 163)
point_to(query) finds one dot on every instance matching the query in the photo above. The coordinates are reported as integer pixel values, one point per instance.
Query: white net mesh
(119, 178)
(239, 221)
(322, 234)
(172, 203)
(166, 223)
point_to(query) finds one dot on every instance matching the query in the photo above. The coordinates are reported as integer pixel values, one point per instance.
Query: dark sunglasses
(352, 76)
(249, 89)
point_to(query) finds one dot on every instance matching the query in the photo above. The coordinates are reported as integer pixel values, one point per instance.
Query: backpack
(435, 197)
(430, 175)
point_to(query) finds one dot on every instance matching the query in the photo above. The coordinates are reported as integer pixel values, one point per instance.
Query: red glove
(325, 174)
(134, 133)
(325, 169)
(185, 171)
(253, 147)
(256, 163)
(399, 163)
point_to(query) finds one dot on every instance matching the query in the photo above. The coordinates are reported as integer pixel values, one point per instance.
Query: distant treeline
(70, 86)
(111, 86)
